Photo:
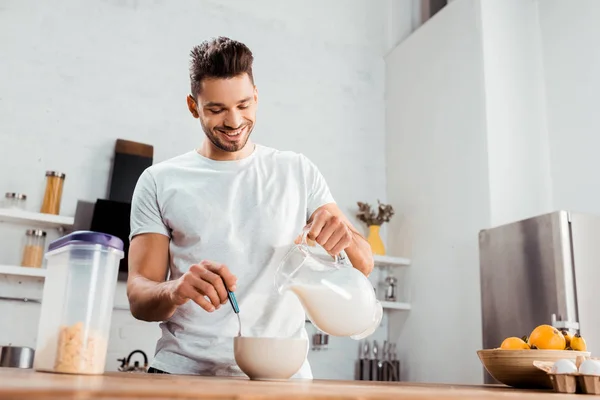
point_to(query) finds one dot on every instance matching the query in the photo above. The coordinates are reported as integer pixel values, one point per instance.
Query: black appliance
(112, 217)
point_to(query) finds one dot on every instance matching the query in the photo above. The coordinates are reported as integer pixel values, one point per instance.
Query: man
(222, 216)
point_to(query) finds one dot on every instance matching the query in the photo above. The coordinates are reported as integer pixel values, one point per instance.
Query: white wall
(570, 36)
(517, 138)
(438, 180)
(77, 76)
(96, 72)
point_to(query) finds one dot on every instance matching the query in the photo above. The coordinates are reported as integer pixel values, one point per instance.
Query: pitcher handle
(305, 231)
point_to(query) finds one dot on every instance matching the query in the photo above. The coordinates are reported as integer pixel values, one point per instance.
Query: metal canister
(16, 357)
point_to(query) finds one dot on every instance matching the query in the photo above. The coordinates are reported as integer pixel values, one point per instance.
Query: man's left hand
(330, 231)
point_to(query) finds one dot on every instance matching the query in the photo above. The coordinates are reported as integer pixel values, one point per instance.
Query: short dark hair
(219, 58)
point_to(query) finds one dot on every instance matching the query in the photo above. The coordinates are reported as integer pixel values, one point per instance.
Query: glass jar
(53, 194)
(33, 251)
(390, 290)
(15, 200)
(77, 303)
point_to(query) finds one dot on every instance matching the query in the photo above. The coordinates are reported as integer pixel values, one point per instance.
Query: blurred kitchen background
(461, 114)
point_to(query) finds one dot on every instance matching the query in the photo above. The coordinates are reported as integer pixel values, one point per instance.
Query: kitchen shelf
(387, 305)
(35, 219)
(393, 305)
(385, 261)
(380, 261)
(22, 271)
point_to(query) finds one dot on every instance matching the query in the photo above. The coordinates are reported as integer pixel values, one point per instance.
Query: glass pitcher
(338, 299)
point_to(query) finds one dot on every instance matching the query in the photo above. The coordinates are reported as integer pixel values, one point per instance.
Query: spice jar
(53, 193)
(15, 200)
(33, 251)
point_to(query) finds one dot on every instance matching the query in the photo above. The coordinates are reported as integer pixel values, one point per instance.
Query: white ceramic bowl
(269, 358)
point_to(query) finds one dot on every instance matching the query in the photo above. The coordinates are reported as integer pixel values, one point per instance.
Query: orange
(578, 343)
(567, 336)
(546, 337)
(514, 343)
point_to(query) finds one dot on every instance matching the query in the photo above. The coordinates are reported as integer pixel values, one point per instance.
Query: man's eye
(215, 111)
(244, 106)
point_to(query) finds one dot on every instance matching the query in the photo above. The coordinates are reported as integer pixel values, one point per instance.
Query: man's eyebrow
(214, 104)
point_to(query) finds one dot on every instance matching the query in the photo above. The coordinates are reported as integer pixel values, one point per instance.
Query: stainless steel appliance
(16, 357)
(541, 270)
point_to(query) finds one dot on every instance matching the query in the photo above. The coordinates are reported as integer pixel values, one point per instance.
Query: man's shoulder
(171, 164)
(283, 156)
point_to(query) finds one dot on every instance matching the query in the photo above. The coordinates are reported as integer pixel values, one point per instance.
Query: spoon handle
(233, 301)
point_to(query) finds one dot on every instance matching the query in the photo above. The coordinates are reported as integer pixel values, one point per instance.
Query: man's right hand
(151, 298)
(204, 279)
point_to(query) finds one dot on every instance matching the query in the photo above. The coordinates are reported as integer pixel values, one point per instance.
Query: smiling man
(223, 216)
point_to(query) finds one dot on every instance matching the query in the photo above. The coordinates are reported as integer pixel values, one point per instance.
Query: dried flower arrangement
(368, 216)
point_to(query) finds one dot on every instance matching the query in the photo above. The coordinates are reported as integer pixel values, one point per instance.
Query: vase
(375, 241)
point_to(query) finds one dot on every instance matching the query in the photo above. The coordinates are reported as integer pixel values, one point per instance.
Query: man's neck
(209, 150)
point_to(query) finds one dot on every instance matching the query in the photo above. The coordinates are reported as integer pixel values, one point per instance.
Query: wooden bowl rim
(533, 353)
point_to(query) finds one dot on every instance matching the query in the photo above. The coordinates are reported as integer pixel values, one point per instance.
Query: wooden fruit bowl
(515, 367)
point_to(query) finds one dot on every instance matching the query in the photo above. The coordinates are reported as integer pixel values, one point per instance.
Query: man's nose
(233, 120)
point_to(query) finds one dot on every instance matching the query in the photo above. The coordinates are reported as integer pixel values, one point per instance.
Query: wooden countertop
(28, 384)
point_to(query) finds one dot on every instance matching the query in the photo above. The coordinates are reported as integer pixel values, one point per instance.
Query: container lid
(87, 237)
(55, 173)
(18, 196)
(35, 232)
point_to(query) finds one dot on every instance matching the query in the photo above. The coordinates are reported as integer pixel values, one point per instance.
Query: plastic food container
(77, 303)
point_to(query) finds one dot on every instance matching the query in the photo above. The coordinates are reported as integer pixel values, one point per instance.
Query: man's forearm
(360, 254)
(150, 300)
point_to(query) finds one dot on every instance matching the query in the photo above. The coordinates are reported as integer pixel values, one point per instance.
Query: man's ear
(192, 106)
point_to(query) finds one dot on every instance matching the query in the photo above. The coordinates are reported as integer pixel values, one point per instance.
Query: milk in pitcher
(339, 311)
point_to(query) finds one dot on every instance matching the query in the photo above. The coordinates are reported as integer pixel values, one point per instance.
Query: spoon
(236, 309)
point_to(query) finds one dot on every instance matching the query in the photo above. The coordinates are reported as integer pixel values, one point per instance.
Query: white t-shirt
(244, 214)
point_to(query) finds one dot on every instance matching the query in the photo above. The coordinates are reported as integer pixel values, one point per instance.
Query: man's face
(227, 111)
